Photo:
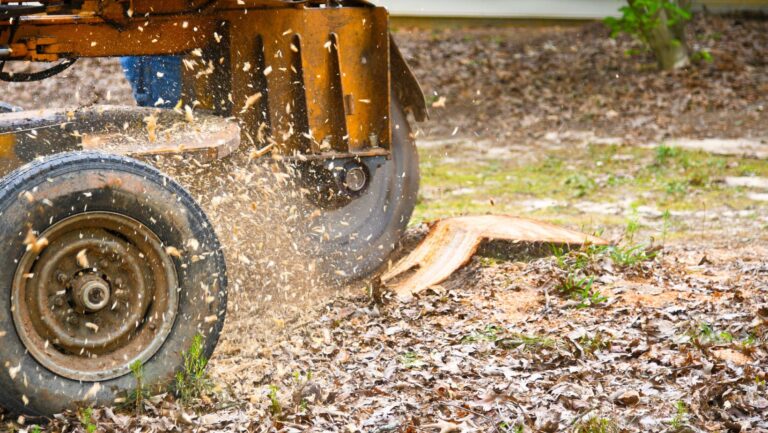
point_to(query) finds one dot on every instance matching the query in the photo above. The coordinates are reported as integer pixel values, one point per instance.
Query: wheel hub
(355, 178)
(91, 293)
(101, 295)
(334, 184)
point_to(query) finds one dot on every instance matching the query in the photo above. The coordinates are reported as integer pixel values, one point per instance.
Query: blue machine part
(155, 80)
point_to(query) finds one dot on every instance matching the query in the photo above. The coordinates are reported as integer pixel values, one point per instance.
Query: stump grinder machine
(105, 261)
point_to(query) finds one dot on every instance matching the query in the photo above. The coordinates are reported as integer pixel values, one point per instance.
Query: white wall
(565, 9)
(583, 9)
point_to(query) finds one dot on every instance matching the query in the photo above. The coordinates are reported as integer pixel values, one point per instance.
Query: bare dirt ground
(664, 332)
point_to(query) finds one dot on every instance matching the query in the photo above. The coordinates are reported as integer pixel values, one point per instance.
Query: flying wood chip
(451, 243)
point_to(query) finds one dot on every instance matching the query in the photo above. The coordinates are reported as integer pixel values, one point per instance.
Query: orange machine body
(313, 78)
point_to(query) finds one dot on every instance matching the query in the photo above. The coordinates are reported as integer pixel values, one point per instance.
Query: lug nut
(58, 301)
(73, 320)
(355, 179)
(61, 277)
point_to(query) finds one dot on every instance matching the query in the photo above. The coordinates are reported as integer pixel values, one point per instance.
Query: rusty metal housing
(310, 77)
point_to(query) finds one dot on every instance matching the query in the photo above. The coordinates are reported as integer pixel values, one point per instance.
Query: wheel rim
(102, 295)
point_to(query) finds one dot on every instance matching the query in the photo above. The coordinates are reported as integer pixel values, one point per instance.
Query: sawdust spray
(261, 215)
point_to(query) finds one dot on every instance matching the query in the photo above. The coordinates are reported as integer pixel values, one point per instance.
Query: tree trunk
(668, 43)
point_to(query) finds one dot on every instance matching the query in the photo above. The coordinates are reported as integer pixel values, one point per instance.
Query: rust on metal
(309, 79)
(99, 296)
(120, 130)
(207, 137)
(452, 242)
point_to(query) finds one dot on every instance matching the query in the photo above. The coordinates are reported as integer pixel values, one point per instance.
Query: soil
(677, 344)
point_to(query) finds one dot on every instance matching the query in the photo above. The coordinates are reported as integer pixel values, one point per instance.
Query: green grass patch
(140, 391)
(705, 334)
(596, 343)
(581, 289)
(681, 416)
(458, 181)
(412, 360)
(489, 333)
(86, 419)
(501, 338)
(192, 380)
(275, 408)
(596, 425)
(628, 256)
(532, 343)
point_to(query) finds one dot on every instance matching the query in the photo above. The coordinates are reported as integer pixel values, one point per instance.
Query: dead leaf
(251, 101)
(444, 426)
(82, 259)
(33, 243)
(173, 252)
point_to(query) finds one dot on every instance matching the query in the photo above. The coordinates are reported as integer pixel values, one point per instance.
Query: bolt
(61, 277)
(374, 140)
(355, 179)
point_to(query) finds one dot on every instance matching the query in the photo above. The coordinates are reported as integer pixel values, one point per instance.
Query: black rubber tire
(59, 185)
(377, 220)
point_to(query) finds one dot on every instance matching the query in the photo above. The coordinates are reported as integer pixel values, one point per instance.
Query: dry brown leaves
(521, 83)
(455, 359)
